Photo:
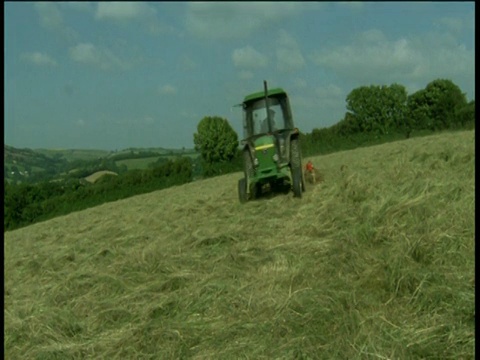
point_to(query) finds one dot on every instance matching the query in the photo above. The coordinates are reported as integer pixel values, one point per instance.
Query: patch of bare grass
(97, 175)
(376, 261)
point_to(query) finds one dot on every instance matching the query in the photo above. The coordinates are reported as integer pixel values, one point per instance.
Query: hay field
(75, 154)
(97, 175)
(375, 262)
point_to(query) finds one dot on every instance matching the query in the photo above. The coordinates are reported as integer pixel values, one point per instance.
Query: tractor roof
(261, 94)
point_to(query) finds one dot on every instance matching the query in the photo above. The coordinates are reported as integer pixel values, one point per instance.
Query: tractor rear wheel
(296, 168)
(242, 190)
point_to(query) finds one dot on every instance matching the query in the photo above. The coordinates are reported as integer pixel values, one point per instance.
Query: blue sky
(118, 75)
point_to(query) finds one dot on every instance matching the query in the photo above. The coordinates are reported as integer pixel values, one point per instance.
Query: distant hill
(74, 154)
(21, 164)
(31, 165)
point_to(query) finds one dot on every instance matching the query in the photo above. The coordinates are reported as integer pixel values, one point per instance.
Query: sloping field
(375, 262)
(143, 163)
(75, 154)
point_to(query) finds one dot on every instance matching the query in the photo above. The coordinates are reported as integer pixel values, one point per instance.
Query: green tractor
(271, 149)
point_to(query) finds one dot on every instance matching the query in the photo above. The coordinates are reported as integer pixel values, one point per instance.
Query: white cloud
(289, 56)
(332, 99)
(319, 107)
(187, 114)
(51, 18)
(186, 63)
(142, 12)
(80, 123)
(155, 27)
(123, 10)
(77, 5)
(38, 58)
(245, 75)
(238, 19)
(89, 54)
(299, 83)
(372, 36)
(248, 57)
(167, 90)
(371, 57)
(456, 25)
(329, 91)
(289, 60)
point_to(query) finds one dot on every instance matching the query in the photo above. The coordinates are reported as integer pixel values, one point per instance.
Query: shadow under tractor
(271, 149)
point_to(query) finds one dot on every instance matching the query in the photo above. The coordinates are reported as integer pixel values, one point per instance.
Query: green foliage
(160, 161)
(436, 107)
(38, 166)
(25, 204)
(134, 155)
(465, 116)
(378, 114)
(375, 109)
(222, 168)
(216, 140)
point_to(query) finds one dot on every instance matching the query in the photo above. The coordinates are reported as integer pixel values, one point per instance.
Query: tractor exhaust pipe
(265, 89)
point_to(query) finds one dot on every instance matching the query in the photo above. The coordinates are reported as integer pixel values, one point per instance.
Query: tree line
(25, 203)
(375, 114)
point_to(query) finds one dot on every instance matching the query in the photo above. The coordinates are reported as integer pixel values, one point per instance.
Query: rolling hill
(27, 165)
(375, 262)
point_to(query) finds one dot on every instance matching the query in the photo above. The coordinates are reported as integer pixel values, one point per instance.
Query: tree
(465, 116)
(216, 140)
(447, 98)
(375, 108)
(419, 111)
(436, 107)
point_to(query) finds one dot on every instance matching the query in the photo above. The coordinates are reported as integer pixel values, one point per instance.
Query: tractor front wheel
(242, 190)
(249, 174)
(297, 183)
(296, 168)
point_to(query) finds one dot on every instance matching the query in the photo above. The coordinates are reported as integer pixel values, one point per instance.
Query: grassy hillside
(143, 163)
(74, 154)
(376, 262)
(20, 164)
(33, 166)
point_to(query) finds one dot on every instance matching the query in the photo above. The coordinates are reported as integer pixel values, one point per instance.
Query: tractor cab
(257, 120)
(267, 120)
(270, 144)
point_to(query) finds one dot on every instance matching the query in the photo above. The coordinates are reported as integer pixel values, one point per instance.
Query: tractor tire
(242, 191)
(298, 183)
(249, 173)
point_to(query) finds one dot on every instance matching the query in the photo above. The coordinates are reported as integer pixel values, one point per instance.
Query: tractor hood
(265, 154)
(264, 142)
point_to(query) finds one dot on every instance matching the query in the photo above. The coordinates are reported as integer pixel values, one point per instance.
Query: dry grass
(97, 175)
(375, 262)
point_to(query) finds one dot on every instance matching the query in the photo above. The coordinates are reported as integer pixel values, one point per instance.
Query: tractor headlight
(255, 162)
(275, 157)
